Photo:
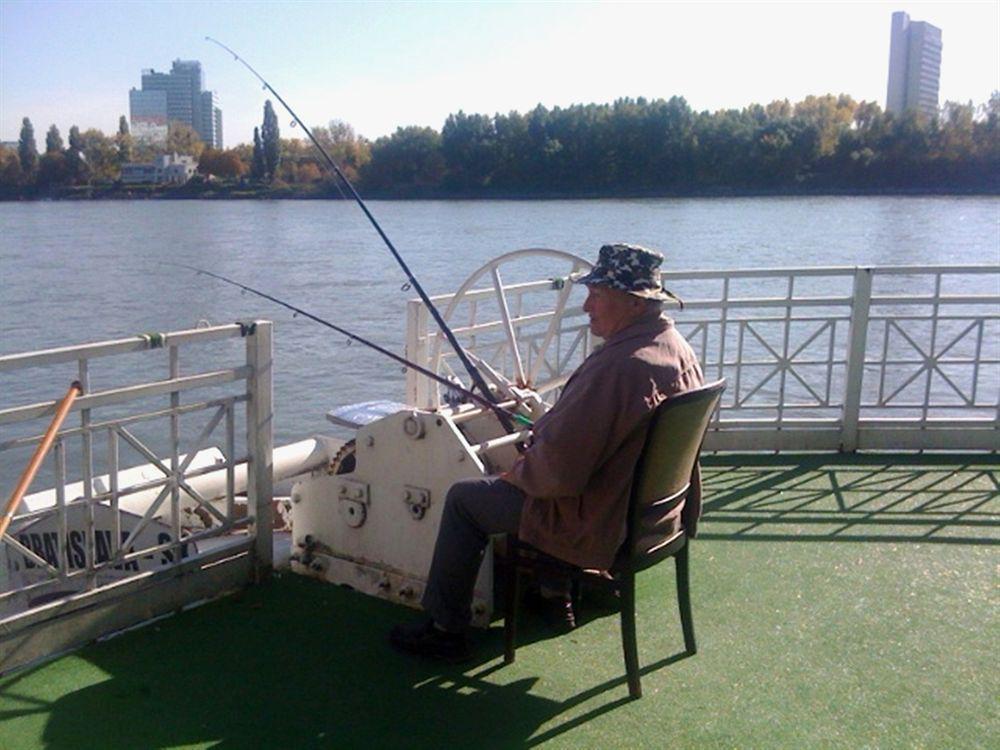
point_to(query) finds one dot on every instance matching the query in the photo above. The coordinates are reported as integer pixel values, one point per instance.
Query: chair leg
(629, 645)
(513, 597)
(684, 599)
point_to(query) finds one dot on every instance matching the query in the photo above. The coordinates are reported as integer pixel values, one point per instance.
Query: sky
(382, 65)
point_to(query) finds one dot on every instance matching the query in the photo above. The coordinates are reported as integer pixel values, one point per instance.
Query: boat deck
(839, 601)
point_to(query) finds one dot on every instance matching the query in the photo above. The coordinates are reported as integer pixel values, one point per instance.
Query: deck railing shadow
(850, 498)
(296, 663)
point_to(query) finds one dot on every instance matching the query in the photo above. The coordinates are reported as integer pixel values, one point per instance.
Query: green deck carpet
(839, 602)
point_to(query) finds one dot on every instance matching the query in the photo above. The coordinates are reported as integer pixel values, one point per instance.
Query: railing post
(87, 470)
(857, 343)
(415, 352)
(260, 444)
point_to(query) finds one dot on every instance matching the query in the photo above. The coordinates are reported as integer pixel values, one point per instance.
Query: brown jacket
(577, 473)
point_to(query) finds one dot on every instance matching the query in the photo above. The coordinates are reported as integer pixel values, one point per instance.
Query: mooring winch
(369, 520)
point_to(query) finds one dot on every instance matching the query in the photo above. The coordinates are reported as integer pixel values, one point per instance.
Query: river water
(89, 271)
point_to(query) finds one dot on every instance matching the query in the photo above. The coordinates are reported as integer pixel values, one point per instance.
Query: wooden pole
(62, 410)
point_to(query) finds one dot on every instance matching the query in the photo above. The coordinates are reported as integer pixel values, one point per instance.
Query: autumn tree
(830, 115)
(223, 164)
(183, 139)
(350, 151)
(308, 172)
(10, 167)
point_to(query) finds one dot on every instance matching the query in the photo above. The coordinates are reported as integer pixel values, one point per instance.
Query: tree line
(628, 147)
(635, 146)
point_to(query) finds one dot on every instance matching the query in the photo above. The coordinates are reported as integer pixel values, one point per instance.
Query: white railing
(819, 358)
(122, 545)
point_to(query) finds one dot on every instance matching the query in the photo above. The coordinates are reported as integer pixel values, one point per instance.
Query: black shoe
(423, 639)
(557, 612)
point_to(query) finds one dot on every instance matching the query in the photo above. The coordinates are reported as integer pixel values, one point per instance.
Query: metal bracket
(353, 500)
(417, 500)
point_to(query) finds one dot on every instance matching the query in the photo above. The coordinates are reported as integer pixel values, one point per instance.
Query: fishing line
(501, 413)
(477, 378)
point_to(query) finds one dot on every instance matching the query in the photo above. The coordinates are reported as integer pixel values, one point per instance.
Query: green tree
(409, 160)
(101, 155)
(514, 148)
(987, 130)
(469, 146)
(270, 138)
(124, 142)
(53, 169)
(27, 151)
(53, 141)
(75, 141)
(77, 168)
(258, 168)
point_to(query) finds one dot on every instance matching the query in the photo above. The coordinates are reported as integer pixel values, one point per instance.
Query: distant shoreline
(324, 192)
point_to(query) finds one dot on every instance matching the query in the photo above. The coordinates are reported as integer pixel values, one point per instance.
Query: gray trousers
(473, 510)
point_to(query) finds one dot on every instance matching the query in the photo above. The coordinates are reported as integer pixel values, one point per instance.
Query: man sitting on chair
(567, 493)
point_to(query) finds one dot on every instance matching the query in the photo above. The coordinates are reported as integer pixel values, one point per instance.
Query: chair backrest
(662, 478)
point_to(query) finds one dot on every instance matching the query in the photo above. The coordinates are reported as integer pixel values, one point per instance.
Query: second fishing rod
(470, 368)
(503, 414)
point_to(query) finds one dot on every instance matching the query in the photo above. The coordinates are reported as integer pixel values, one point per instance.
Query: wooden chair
(661, 482)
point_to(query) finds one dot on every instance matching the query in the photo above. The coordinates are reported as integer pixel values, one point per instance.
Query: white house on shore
(174, 169)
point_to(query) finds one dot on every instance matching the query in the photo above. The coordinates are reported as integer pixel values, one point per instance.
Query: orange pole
(36, 460)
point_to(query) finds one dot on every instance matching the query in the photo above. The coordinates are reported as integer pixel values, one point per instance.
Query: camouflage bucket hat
(629, 268)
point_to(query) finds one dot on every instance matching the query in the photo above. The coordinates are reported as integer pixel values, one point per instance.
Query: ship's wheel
(519, 318)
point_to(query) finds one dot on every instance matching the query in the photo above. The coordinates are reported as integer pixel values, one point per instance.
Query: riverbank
(328, 191)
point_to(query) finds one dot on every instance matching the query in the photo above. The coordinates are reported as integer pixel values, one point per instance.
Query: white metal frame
(539, 344)
(835, 358)
(72, 606)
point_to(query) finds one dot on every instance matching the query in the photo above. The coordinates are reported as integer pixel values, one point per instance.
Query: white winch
(369, 520)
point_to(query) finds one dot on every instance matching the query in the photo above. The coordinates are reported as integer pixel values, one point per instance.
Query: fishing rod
(477, 378)
(501, 413)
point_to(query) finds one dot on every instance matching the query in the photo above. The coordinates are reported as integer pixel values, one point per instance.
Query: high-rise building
(209, 119)
(175, 96)
(148, 115)
(914, 66)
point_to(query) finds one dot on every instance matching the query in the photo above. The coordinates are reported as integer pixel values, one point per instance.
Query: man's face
(610, 310)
